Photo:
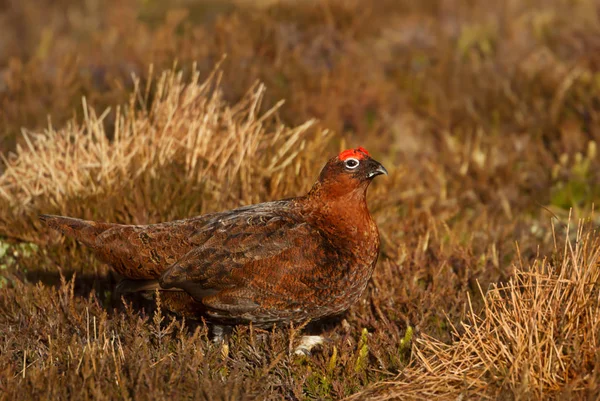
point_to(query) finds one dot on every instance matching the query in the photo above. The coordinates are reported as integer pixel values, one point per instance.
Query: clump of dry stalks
(176, 128)
(537, 336)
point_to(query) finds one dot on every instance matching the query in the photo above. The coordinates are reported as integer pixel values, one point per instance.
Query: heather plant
(485, 114)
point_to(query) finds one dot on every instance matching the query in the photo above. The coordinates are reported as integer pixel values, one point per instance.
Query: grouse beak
(376, 170)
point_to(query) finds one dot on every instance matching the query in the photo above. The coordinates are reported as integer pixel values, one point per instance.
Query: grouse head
(348, 174)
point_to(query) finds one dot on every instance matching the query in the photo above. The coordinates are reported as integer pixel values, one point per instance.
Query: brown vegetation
(486, 115)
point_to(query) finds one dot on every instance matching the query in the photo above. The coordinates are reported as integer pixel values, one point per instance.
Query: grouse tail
(84, 231)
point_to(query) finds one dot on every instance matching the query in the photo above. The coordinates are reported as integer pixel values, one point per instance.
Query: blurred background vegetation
(486, 114)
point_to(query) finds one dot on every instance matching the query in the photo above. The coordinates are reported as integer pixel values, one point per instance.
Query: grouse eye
(352, 163)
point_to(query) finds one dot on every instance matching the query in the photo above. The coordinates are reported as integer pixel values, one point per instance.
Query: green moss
(362, 357)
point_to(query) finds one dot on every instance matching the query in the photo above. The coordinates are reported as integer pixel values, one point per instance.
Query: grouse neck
(341, 213)
(340, 191)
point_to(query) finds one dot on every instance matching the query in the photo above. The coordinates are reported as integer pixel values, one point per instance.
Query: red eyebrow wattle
(358, 153)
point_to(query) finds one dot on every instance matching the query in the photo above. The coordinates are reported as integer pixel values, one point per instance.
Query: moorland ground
(486, 115)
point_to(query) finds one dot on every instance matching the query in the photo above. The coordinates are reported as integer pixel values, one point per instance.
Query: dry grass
(537, 337)
(485, 114)
(186, 126)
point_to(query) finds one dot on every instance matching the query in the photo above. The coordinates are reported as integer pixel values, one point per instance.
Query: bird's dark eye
(352, 163)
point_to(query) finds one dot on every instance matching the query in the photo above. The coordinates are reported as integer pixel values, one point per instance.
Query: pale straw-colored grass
(537, 337)
(186, 122)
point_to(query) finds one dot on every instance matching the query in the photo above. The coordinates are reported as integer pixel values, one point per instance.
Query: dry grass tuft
(537, 337)
(170, 122)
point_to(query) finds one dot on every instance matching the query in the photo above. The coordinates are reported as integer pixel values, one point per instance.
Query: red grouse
(276, 262)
